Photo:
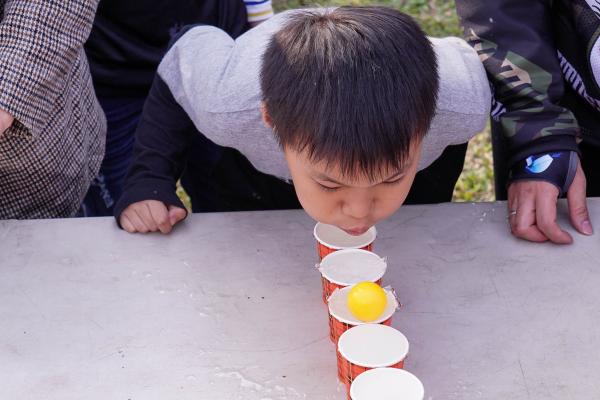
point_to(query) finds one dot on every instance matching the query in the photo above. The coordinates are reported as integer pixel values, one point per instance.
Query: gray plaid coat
(51, 153)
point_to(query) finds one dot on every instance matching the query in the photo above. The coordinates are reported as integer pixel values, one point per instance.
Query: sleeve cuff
(547, 144)
(557, 168)
(147, 190)
(15, 101)
(258, 10)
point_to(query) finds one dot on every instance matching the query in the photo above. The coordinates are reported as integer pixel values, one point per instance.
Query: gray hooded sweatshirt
(215, 79)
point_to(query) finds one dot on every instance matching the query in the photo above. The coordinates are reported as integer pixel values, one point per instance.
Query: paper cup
(341, 318)
(387, 384)
(331, 238)
(349, 267)
(369, 346)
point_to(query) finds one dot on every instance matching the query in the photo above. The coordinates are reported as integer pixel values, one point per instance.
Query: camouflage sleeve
(514, 41)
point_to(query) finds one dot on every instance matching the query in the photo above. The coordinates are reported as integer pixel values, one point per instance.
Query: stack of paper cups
(370, 355)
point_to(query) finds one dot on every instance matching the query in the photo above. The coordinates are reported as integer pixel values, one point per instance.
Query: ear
(265, 115)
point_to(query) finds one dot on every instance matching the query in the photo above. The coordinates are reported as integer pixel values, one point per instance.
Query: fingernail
(586, 227)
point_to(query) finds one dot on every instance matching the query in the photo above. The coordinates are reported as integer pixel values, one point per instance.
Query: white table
(229, 307)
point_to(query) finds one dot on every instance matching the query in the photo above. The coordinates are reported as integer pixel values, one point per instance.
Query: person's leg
(198, 178)
(122, 117)
(500, 156)
(242, 187)
(219, 179)
(590, 162)
(435, 184)
(233, 184)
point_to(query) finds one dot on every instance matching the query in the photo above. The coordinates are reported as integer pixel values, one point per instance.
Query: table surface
(229, 307)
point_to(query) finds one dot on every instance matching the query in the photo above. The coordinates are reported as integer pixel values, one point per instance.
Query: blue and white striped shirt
(258, 10)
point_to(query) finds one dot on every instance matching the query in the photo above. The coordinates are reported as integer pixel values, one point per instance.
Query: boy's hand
(532, 210)
(151, 216)
(6, 120)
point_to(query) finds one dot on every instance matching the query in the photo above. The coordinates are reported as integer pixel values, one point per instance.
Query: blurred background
(437, 18)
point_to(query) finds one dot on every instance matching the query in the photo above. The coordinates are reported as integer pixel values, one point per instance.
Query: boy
(348, 101)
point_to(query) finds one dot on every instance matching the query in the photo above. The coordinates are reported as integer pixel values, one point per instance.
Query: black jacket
(130, 37)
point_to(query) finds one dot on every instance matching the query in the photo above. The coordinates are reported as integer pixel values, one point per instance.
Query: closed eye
(395, 181)
(328, 188)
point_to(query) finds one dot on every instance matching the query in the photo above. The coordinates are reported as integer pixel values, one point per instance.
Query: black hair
(354, 86)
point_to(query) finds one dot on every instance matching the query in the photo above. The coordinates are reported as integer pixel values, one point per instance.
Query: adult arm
(514, 40)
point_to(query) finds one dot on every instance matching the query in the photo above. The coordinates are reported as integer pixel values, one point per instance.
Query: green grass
(437, 17)
(476, 183)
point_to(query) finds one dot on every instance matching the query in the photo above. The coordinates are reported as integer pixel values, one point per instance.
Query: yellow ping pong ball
(367, 301)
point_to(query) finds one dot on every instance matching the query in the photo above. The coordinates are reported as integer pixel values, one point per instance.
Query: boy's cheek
(388, 211)
(317, 208)
(391, 203)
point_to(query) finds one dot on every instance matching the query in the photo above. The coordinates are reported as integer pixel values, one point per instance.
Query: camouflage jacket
(543, 62)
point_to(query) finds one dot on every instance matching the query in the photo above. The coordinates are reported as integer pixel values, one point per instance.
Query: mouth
(355, 231)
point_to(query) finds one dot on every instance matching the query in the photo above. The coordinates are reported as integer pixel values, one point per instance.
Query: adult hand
(532, 210)
(151, 216)
(6, 120)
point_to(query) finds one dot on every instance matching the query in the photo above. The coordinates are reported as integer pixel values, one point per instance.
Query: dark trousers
(590, 162)
(122, 117)
(222, 179)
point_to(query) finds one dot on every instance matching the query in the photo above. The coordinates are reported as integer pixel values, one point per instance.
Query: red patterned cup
(331, 238)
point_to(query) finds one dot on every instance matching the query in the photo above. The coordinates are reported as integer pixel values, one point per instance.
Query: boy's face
(352, 205)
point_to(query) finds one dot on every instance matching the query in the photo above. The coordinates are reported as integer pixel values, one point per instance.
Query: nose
(358, 205)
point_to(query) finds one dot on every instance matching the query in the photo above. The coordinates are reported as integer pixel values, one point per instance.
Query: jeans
(122, 117)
